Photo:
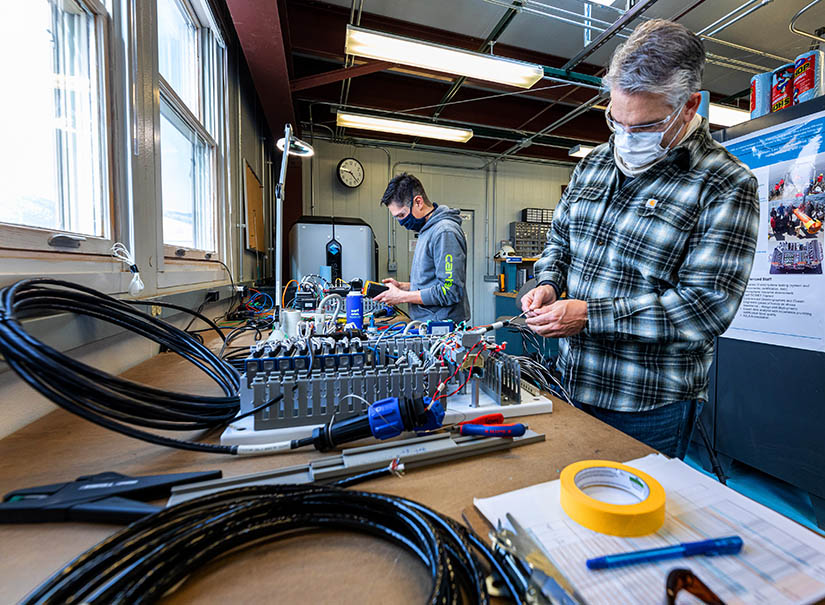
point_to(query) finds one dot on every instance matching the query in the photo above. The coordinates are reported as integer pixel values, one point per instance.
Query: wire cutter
(490, 425)
(96, 498)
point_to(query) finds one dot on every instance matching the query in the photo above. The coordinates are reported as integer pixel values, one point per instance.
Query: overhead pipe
(359, 142)
(611, 31)
(490, 261)
(392, 243)
(740, 17)
(761, 53)
(479, 130)
(349, 59)
(560, 122)
(534, 11)
(707, 37)
(735, 63)
(728, 15)
(801, 32)
(686, 10)
(588, 14)
(488, 43)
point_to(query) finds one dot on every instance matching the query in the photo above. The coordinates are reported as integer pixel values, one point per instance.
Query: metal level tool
(413, 453)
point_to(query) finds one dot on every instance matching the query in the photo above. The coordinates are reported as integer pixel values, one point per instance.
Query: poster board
(254, 205)
(783, 301)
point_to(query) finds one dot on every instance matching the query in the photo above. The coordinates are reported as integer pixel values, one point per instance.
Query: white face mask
(637, 151)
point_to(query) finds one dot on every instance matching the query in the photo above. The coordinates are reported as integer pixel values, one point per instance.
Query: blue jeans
(667, 428)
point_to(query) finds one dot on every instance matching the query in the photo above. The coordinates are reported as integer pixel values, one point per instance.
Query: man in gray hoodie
(437, 288)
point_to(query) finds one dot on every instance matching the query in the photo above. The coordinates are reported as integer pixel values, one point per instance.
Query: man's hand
(537, 298)
(393, 295)
(401, 285)
(560, 319)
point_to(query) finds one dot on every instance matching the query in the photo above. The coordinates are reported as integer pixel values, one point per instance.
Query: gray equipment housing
(308, 241)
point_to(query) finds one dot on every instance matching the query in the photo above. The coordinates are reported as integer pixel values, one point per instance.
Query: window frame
(14, 237)
(127, 58)
(180, 265)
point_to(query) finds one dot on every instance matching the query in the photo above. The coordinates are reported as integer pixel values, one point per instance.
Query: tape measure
(638, 519)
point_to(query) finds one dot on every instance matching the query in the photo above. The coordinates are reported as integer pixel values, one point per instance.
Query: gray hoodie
(439, 269)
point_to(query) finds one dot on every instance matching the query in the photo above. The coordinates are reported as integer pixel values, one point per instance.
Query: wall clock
(350, 172)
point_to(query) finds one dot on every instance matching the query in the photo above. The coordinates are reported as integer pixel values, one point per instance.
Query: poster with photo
(784, 303)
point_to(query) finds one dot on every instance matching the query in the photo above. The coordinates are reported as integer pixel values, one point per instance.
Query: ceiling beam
(390, 92)
(319, 30)
(258, 25)
(337, 75)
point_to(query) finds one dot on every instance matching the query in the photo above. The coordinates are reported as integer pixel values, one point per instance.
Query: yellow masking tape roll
(638, 519)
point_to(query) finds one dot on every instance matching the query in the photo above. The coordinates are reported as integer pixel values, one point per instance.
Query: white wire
(563, 390)
(337, 300)
(414, 323)
(304, 330)
(121, 252)
(358, 397)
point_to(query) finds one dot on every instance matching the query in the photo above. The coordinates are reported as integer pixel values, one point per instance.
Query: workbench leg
(715, 464)
(819, 510)
(726, 462)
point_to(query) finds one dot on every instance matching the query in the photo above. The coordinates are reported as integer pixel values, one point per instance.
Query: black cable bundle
(142, 562)
(107, 400)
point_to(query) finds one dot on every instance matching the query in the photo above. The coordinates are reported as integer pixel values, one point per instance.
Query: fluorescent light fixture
(604, 2)
(724, 115)
(426, 55)
(415, 129)
(580, 151)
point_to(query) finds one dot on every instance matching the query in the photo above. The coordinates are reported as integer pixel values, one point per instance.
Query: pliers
(490, 425)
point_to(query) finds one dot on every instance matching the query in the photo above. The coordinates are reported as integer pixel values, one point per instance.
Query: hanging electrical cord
(142, 562)
(121, 252)
(114, 403)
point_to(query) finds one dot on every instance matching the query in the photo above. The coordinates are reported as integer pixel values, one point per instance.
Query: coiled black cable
(114, 403)
(143, 561)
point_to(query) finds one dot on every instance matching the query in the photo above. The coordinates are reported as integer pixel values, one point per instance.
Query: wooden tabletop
(318, 567)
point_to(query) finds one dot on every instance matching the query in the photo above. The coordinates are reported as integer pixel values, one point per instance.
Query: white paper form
(781, 562)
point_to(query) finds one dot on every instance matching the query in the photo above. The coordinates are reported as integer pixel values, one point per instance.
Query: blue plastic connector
(385, 418)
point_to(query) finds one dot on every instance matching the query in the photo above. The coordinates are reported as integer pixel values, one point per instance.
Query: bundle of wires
(142, 562)
(114, 403)
(541, 376)
(260, 302)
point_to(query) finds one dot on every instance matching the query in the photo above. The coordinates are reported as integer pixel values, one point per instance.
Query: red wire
(469, 373)
(457, 368)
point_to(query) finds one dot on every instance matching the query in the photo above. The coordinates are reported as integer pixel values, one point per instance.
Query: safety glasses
(656, 126)
(685, 579)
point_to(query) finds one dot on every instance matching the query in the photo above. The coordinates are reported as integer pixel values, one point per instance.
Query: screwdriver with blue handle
(490, 425)
(729, 545)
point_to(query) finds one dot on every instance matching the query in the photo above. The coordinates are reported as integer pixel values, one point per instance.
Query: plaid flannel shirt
(662, 261)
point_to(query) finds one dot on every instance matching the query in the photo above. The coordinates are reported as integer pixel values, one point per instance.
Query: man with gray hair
(653, 241)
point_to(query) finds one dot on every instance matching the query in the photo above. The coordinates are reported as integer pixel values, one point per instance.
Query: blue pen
(718, 546)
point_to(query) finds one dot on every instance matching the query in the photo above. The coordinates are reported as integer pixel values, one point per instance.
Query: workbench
(313, 567)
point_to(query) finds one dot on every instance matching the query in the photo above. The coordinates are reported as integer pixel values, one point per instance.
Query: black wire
(142, 562)
(195, 314)
(234, 290)
(257, 409)
(362, 477)
(114, 403)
